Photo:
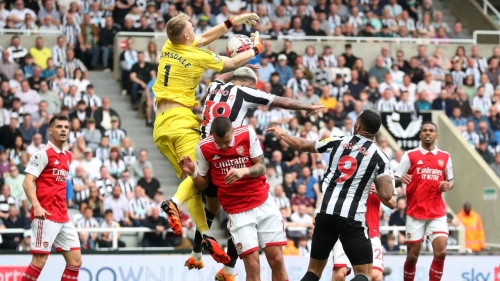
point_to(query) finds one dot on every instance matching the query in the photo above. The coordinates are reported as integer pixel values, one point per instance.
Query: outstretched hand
(187, 165)
(250, 19)
(313, 108)
(277, 131)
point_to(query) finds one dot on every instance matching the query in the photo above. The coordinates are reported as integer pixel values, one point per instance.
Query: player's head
(180, 30)
(244, 76)
(367, 124)
(222, 132)
(428, 133)
(59, 128)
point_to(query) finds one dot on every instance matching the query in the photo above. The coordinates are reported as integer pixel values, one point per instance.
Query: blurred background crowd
(111, 181)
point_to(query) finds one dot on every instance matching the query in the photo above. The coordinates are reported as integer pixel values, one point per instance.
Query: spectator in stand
(474, 232)
(7, 67)
(35, 144)
(16, 51)
(458, 120)
(91, 134)
(398, 217)
(87, 239)
(149, 183)
(115, 134)
(301, 199)
(495, 166)
(17, 150)
(6, 200)
(103, 115)
(483, 151)
(423, 104)
(266, 68)
(90, 41)
(457, 31)
(14, 220)
(73, 33)
(82, 184)
(486, 134)
(90, 163)
(127, 184)
(72, 63)
(391, 246)
(49, 10)
(327, 100)
(443, 102)
(478, 117)
(462, 102)
(470, 134)
(92, 101)
(9, 133)
(127, 151)
(71, 100)
(29, 98)
(405, 104)
(355, 86)
(493, 71)
(27, 130)
(387, 103)
(119, 205)
(137, 168)
(285, 71)
(378, 70)
(59, 51)
(300, 218)
(40, 53)
(49, 98)
(128, 58)
(431, 86)
(115, 165)
(481, 101)
(105, 182)
(140, 75)
(139, 207)
(4, 163)
(106, 41)
(102, 151)
(282, 201)
(160, 224)
(106, 238)
(397, 159)
(25, 245)
(272, 177)
(388, 83)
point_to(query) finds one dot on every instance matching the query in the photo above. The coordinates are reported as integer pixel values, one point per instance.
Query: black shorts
(352, 234)
(211, 190)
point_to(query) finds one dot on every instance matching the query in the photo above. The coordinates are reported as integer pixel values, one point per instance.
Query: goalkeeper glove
(257, 42)
(249, 19)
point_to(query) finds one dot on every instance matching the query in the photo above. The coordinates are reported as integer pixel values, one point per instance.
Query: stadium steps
(442, 5)
(142, 136)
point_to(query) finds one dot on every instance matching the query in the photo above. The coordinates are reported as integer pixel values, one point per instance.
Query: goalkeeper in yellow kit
(177, 130)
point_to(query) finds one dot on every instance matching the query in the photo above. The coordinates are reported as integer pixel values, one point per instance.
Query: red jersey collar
(55, 148)
(231, 145)
(435, 151)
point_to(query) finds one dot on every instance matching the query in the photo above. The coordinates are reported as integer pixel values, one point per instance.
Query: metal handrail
(330, 38)
(484, 32)
(486, 5)
(394, 229)
(30, 31)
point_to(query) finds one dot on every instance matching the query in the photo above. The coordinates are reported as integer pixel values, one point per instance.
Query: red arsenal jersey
(51, 167)
(373, 215)
(428, 169)
(246, 193)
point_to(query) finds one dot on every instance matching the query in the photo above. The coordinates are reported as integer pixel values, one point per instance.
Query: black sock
(197, 237)
(232, 253)
(310, 277)
(360, 277)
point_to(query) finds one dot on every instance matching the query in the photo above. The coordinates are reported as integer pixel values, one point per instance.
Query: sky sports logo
(11, 273)
(476, 275)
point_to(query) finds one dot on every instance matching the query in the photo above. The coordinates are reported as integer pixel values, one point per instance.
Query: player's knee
(39, 260)
(412, 258)
(377, 275)
(276, 261)
(252, 264)
(440, 253)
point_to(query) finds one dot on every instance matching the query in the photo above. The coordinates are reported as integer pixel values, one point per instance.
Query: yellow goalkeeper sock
(197, 210)
(186, 190)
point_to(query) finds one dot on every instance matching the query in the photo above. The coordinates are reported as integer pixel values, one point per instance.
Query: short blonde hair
(175, 27)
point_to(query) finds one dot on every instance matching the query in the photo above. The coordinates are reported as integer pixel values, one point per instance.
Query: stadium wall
(475, 181)
(367, 50)
(157, 267)
(28, 41)
(470, 13)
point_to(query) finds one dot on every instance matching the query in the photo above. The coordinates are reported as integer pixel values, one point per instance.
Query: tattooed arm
(258, 169)
(385, 188)
(292, 104)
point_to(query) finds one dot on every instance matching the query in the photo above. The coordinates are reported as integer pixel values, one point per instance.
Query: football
(237, 44)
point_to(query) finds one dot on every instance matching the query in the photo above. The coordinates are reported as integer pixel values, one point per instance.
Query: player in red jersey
(341, 265)
(427, 173)
(234, 161)
(48, 169)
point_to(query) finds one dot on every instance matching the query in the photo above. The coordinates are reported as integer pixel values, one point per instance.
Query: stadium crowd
(111, 182)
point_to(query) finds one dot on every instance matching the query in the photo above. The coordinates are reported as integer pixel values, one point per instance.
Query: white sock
(207, 233)
(176, 201)
(196, 256)
(228, 270)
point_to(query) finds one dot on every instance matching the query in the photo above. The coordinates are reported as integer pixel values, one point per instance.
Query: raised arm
(287, 103)
(217, 31)
(243, 58)
(294, 142)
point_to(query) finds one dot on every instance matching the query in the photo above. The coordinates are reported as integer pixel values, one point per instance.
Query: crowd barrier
(163, 267)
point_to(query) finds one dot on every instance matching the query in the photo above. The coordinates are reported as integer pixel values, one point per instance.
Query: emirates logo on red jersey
(240, 149)
(440, 163)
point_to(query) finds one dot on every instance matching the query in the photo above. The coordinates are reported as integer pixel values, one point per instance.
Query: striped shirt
(386, 105)
(70, 101)
(127, 186)
(70, 66)
(87, 223)
(405, 106)
(330, 61)
(458, 77)
(409, 23)
(71, 32)
(322, 77)
(115, 136)
(139, 206)
(5, 203)
(16, 53)
(58, 55)
(297, 86)
(263, 119)
(105, 186)
(310, 62)
(354, 163)
(81, 195)
(56, 86)
(72, 136)
(128, 155)
(102, 153)
(282, 202)
(338, 91)
(92, 100)
(232, 102)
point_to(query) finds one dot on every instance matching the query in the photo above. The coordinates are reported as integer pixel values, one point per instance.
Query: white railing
(487, 5)
(30, 32)
(394, 229)
(101, 230)
(330, 38)
(485, 32)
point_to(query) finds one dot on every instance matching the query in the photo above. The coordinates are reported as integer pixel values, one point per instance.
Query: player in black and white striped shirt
(354, 163)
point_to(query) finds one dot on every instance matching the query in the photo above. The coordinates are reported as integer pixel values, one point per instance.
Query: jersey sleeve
(404, 166)
(449, 170)
(202, 164)
(37, 163)
(327, 145)
(257, 97)
(384, 166)
(255, 148)
(210, 60)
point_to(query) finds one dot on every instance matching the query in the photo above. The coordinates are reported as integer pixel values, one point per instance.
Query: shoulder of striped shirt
(382, 154)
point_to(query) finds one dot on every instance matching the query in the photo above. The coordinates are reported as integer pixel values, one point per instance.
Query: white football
(238, 44)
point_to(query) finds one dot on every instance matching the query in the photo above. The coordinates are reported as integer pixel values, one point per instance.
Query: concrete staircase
(442, 5)
(142, 136)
